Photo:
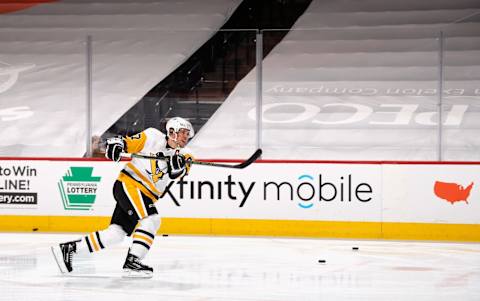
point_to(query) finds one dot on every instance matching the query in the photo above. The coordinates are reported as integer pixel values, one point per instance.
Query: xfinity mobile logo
(343, 189)
(305, 192)
(78, 188)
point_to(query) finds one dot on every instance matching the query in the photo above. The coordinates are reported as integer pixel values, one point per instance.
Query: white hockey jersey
(150, 176)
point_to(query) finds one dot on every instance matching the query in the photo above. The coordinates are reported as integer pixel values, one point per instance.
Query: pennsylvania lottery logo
(78, 188)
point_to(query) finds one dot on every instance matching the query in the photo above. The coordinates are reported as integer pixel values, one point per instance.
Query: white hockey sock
(144, 235)
(99, 240)
(142, 241)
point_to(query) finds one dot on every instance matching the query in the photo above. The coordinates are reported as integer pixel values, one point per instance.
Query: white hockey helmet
(177, 123)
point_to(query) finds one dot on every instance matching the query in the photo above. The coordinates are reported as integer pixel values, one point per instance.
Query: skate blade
(136, 274)
(57, 254)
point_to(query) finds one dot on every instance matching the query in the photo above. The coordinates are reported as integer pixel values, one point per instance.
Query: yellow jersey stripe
(129, 181)
(143, 178)
(136, 199)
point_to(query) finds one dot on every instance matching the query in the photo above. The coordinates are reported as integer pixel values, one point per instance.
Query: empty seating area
(358, 80)
(347, 80)
(134, 46)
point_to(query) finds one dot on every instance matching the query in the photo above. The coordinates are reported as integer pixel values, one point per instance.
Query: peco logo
(400, 114)
(9, 74)
(8, 78)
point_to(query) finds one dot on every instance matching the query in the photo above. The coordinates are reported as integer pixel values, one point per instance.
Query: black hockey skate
(134, 268)
(63, 254)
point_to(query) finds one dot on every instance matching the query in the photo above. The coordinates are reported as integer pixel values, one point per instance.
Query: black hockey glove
(115, 146)
(176, 165)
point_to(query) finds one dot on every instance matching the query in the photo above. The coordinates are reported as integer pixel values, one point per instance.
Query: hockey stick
(241, 165)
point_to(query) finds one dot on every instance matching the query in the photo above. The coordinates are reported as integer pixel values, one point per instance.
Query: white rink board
(253, 193)
(42, 179)
(363, 192)
(408, 194)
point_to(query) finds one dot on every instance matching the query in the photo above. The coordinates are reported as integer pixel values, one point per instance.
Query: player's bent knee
(117, 233)
(151, 223)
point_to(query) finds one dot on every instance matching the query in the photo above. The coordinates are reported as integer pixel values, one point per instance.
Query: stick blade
(250, 160)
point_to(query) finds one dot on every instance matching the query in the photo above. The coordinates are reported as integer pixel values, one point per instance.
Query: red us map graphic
(13, 6)
(452, 192)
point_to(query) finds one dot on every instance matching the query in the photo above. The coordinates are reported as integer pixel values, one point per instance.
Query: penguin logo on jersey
(156, 173)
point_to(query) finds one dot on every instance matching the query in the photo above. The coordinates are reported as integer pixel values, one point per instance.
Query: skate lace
(70, 255)
(138, 264)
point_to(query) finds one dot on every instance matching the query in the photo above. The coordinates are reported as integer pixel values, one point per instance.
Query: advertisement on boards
(57, 187)
(415, 193)
(18, 185)
(278, 191)
(431, 193)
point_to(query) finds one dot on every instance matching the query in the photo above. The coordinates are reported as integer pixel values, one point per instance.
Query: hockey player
(139, 185)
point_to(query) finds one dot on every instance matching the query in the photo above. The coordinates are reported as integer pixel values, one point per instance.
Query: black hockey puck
(164, 235)
(322, 261)
(35, 229)
(355, 248)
